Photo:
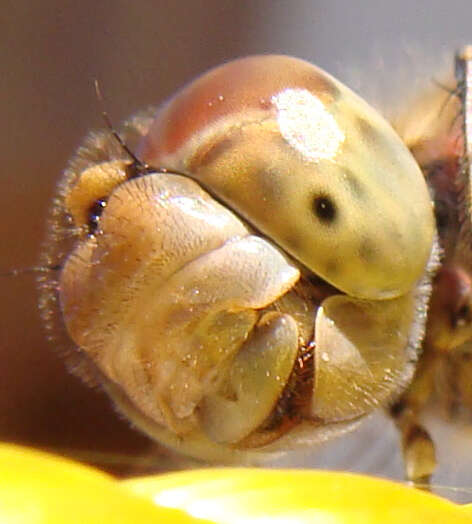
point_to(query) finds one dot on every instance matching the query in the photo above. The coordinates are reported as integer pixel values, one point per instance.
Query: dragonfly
(222, 266)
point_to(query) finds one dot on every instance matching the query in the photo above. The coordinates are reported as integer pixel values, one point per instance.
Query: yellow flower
(36, 487)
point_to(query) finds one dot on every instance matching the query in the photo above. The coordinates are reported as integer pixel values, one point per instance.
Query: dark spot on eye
(95, 211)
(367, 250)
(324, 209)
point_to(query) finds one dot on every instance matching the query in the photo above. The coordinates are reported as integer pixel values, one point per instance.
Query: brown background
(50, 52)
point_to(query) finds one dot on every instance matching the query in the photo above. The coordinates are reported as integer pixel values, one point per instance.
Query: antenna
(145, 168)
(113, 131)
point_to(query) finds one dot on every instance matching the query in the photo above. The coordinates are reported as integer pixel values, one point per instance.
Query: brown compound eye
(291, 149)
(87, 197)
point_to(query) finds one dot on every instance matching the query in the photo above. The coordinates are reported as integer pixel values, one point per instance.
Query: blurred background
(141, 51)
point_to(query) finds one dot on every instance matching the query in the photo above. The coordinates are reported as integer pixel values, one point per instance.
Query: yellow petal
(230, 496)
(37, 488)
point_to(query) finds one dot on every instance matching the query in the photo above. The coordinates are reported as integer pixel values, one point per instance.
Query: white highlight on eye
(306, 124)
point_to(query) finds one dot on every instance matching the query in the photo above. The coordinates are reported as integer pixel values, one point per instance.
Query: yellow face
(270, 282)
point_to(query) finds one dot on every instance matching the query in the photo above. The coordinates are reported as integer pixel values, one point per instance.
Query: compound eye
(307, 163)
